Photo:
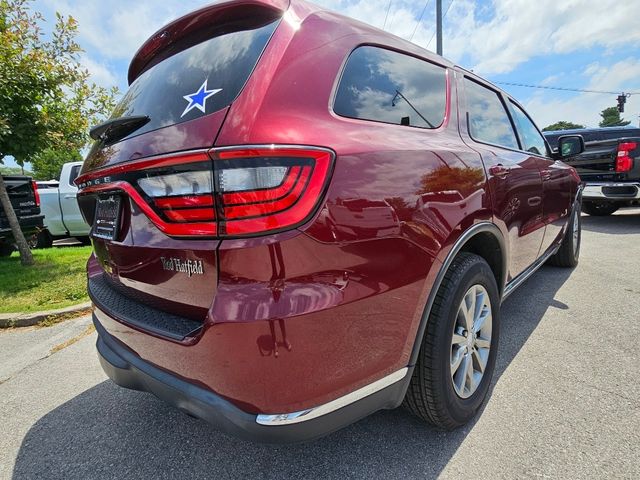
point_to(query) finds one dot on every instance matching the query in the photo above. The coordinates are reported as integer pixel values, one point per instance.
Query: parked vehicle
(609, 165)
(26, 203)
(62, 216)
(288, 281)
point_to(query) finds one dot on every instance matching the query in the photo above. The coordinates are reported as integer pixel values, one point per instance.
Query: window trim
(343, 67)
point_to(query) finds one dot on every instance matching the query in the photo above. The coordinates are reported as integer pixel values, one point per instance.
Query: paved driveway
(565, 401)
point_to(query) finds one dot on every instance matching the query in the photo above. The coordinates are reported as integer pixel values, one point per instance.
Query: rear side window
(194, 82)
(75, 171)
(531, 139)
(385, 86)
(488, 120)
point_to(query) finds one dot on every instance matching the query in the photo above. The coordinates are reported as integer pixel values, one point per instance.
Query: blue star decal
(199, 99)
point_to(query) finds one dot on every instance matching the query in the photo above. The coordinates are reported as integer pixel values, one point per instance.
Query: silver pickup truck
(58, 203)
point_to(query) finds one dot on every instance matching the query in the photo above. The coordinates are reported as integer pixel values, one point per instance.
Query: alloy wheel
(471, 341)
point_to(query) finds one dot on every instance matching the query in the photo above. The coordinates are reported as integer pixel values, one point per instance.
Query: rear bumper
(612, 191)
(28, 225)
(128, 370)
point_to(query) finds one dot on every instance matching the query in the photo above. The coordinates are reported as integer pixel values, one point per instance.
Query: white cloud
(100, 73)
(500, 38)
(117, 28)
(585, 108)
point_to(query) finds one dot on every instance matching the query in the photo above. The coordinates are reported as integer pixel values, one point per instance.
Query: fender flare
(482, 227)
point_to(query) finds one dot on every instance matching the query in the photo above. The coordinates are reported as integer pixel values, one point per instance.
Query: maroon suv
(299, 219)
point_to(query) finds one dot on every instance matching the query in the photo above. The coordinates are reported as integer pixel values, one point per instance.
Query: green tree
(48, 163)
(13, 171)
(46, 99)
(611, 118)
(562, 125)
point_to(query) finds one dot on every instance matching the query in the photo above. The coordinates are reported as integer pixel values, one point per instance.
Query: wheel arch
(484, 239)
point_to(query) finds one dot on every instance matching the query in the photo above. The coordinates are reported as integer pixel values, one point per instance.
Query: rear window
(197, 81)
(390, 87)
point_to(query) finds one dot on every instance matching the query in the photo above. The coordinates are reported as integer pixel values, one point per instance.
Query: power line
(386, 15)
(546, 87)
(419, 20)
(443, 17)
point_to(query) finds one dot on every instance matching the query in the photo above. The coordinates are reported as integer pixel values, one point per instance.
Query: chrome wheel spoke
(481, 319)
(483, 343)
(457, 360)
(458, 339)
(479, 361)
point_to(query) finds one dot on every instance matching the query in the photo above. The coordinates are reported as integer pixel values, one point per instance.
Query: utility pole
(439, 27)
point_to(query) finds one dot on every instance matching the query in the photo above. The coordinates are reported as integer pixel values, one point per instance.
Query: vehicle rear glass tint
(390, 87)
(197, 81)
(488, 119)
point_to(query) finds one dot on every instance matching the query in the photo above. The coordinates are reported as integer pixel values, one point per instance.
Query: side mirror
(570, 145)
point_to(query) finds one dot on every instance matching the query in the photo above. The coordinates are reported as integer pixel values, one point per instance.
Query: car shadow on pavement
(621, 223)
(109, 432)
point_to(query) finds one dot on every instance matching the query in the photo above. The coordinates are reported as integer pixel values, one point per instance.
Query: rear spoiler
(172, 38)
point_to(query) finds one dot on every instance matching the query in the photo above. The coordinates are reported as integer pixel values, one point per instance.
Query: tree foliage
(46, 98)
(48, 163)
(562, 125)
(611, 118)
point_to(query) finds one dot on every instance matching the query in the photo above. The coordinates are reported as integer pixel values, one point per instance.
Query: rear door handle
(499, 170)
(70, 196)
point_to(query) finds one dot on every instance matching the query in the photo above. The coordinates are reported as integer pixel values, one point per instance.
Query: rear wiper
(117, 128)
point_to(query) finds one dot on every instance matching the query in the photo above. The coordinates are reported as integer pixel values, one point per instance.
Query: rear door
(556, 179)
(514, 176)
(71, 217)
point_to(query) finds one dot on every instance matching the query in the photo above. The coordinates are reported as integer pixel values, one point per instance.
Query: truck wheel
(458, 352)
(6, 249)
(569, 251)
(599, 209)
(42, 239)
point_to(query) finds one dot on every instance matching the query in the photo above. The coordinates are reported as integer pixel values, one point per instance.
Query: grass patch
(57, 280)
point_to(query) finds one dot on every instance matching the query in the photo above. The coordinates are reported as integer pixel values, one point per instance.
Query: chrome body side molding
(304, 415)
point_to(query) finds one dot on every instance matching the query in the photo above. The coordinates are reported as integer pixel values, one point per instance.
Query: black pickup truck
(26, 203)
(609, 167)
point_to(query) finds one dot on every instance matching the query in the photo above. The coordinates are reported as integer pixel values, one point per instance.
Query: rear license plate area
(106, 222)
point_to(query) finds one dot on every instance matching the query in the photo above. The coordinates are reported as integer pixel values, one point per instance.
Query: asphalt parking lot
(564, 403)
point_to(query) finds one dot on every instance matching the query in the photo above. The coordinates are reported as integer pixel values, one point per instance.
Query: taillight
(36, 194)
(268, 189)
(242, 192)
(624, 162)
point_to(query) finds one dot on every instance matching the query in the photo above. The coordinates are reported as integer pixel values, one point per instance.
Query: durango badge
(190, 267)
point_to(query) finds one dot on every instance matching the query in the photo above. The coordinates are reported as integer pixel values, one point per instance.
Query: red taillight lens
(36, 194)
(243, 192)
(269, 189)
(624, 162)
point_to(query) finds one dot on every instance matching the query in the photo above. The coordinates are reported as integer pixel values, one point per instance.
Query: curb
(10, 320)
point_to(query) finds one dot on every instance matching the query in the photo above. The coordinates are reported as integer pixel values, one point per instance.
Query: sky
(583, 44)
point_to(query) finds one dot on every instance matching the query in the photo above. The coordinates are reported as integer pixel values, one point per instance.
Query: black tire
(568, 254)
(431, 394)
(6, 249)
(599, 209)
(42, 239)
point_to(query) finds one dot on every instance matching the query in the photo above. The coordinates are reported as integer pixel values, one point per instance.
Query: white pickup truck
(58, 204)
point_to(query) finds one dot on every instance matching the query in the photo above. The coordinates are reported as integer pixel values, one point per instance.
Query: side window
(385, 86)
(75, 171)
(532, 140)
(488, 120)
